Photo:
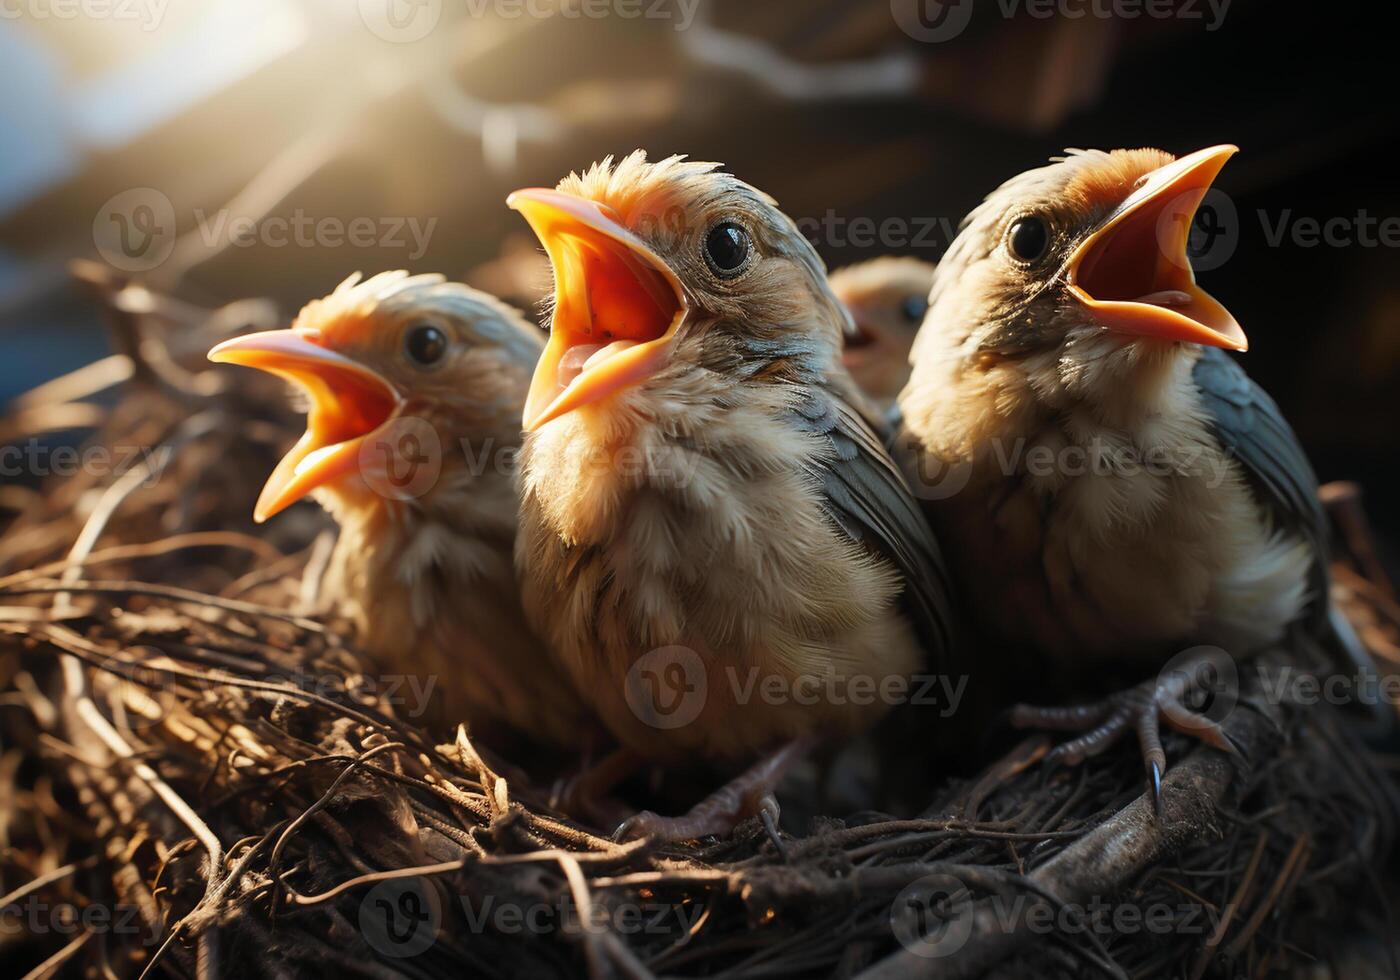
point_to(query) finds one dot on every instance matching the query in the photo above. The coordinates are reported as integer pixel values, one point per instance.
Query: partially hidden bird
(1108, 483)
(414, 388)
(887, 298)
(698, 487)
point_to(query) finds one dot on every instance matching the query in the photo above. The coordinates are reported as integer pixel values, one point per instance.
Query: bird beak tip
(1134, 274)
(618, 304)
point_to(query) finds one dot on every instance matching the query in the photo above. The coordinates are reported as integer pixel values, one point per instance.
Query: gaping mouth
(1133, 273)
(349, 402)
(617, 305)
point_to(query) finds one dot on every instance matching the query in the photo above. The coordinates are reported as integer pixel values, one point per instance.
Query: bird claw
(769, 814)
(719, 813)
(1155, 771)
(636, 827)
(1140, 709)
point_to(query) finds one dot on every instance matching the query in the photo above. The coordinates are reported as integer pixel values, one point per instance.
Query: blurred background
(221, 149)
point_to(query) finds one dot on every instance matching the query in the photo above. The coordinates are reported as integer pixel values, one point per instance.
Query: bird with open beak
(887, 298)
(696, 486)
(414, 388)
(1111, 487)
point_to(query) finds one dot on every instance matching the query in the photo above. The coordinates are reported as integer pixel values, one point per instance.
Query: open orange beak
(617, 305)
(1133, 273)
(348, 403)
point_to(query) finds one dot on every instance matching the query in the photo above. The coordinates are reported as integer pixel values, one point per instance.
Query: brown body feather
(428, 579)
(696, 509)
(1078, 480)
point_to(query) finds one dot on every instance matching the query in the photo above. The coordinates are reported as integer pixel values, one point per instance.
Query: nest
(199, 778)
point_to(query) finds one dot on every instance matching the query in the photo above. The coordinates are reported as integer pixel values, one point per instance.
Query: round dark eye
(1029, 238)
(727, 249)
(914, 308)
(425, 344)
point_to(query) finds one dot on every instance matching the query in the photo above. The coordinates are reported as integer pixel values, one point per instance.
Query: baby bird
(1108, 482)
(697, 487)
(887, 298)
(415, 388)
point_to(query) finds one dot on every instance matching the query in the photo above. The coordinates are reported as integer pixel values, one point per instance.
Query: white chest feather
(714, 541)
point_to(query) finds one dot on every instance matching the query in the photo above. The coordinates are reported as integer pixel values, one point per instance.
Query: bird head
(887, 298)
(653, 261)
(374, 354)
(1082, 259)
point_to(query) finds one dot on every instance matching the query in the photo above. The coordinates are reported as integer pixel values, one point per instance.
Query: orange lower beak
(1133, 273)
(348, 403)
(617, 305)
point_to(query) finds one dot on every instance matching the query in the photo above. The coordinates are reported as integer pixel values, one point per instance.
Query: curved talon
(1156, 773)
(769, 813)
(636, 827)
(1143, 709)
(748, 793)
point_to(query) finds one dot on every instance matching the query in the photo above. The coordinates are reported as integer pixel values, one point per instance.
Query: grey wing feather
(1252, 430)
(866, 496)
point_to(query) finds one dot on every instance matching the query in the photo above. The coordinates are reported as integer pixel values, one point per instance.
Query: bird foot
(1139, 709)
(717, 814)
(749, 794)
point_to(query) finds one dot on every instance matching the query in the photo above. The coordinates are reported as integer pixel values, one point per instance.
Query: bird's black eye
(914, 309)
(425, 344)
(727, 249)
(1029, 238)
